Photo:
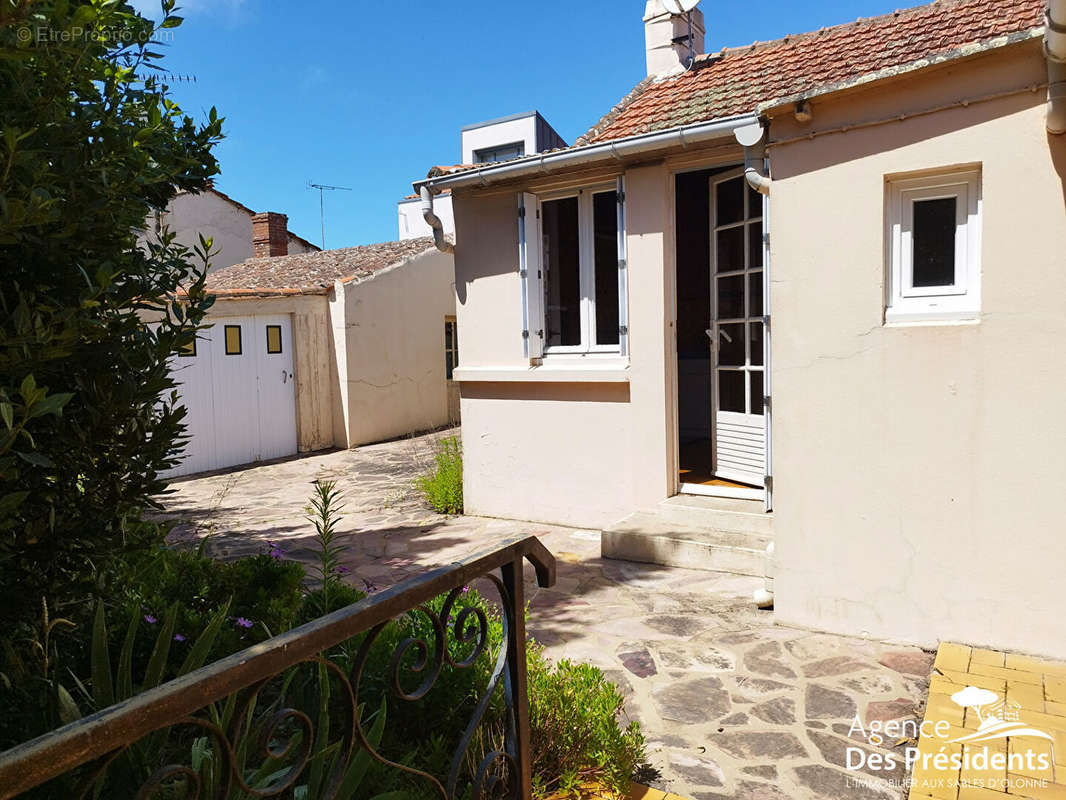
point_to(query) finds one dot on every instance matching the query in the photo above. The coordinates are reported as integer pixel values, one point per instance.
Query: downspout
(753, 139)
(434, 221)
(1055, 50)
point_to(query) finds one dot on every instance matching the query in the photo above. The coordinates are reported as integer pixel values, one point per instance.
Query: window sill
(547, 373)
(905, 319)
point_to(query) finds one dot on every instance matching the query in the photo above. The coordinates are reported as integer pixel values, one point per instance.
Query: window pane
(731, 297)
(273, 338)
(757, 400)
(731, 390)
(731, 345)
(449, 364)
(447, 336)
(755, 294)
(755, 244)
(562, 272)
(755, 337)
(934, 242)
(233, 340)
(730, 249)
(605, 234)
(754, 202)
(729, 197)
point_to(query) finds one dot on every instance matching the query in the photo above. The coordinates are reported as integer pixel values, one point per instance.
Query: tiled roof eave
(957, 54)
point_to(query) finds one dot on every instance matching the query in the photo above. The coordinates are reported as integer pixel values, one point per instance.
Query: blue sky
(370, 94)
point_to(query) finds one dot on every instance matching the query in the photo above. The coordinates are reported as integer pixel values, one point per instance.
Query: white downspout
(1055, 50)
(752, 137)
(434, 221)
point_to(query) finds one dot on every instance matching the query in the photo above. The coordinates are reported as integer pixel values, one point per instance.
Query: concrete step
(717, 513)
(723, 536)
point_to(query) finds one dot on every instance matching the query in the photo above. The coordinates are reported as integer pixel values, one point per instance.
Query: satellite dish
(680, 6)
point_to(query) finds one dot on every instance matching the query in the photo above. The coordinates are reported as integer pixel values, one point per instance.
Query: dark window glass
(755, 245)
(755, 294)
(562, 272)
(731, 297)
(754, 201)
(757, 400)
(755, 337)
(731, 249)
(730, 201)
(934, 242)
(188, 351)
(731, 390)
(731, 344)
(451, 348)
(605, 235)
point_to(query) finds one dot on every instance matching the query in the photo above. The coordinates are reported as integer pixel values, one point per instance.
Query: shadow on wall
(1057, 145)
(490, 244)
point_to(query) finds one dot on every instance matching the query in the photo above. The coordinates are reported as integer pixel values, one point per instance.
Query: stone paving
(734, 707)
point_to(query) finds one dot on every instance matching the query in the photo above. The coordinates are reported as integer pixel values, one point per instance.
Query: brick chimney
(270, 235)
(666, 39)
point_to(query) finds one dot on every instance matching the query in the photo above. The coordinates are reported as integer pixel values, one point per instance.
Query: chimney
(270, 235)
(666, 39)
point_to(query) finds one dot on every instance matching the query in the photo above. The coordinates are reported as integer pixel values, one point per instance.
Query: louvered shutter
(623, 271)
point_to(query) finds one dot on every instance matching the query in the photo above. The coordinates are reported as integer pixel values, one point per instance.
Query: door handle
(284, 376)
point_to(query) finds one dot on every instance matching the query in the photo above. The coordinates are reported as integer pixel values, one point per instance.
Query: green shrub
(576, 733)
(443, 487)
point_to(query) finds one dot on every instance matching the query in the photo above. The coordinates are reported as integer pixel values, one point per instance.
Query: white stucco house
(316, 350)
(238, 232)
(808, 292)
(498, 139)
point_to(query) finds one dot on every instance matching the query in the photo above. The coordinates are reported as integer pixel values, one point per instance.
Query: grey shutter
(623, 272)
(530, 268)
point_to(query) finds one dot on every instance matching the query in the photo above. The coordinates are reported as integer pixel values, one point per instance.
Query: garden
(97, 607)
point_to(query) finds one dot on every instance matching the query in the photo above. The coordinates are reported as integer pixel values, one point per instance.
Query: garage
(238, 385)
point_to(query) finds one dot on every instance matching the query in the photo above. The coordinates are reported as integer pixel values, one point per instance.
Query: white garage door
(238, 388)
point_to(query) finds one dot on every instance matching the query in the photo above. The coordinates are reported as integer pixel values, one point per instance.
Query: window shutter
(530, 268)
(623, 272)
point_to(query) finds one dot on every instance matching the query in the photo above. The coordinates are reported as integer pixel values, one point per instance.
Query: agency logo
(942, 754)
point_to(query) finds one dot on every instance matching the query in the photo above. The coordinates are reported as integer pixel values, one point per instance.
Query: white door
(738, 330)
(238, 388)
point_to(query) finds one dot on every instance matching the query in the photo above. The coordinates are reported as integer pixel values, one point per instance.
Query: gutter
(543, 163)
(1055, 50)
(753, 139)
(433, 221)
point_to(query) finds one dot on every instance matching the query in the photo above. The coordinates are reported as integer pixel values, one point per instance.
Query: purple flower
(150, 619)
(343, 570)
(276, 551)
(466, 589)
(370, 588)
(244, 623)
(179, 637)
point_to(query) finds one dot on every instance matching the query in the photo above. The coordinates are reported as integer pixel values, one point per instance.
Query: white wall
(500, 133)
(413, 225)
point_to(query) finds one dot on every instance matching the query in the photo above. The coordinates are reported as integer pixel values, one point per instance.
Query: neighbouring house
(809, 292)
(484, 142)
(318, 350)
(238, 232)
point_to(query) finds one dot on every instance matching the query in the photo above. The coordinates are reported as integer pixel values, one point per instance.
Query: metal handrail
(113, 729)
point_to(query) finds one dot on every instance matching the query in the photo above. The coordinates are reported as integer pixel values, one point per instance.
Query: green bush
(576, 733)
(443, 487)
(91, 144)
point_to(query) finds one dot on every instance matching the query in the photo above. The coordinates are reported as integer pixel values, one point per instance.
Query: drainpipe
(1055, 49)
(434, 221)
(753, 139)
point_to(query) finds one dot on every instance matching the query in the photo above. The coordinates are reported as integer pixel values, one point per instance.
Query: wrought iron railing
(238, 698)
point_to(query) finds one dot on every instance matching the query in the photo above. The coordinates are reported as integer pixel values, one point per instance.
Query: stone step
(716, 514)
(649, 538)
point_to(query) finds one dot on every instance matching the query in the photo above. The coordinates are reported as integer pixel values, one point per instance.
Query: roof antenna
(686, 7)
(322, 189)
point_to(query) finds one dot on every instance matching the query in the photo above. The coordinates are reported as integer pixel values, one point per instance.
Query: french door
(738, 331)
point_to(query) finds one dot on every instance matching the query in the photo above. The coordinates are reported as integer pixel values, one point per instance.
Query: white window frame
(587, 273)
(905, 302)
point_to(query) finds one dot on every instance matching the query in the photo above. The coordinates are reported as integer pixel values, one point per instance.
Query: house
(315, 350)
(239, 233)
(808, 291)
(484, 142)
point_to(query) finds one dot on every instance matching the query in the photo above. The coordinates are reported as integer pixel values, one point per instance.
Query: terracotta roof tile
(311, 273)
(737, 81)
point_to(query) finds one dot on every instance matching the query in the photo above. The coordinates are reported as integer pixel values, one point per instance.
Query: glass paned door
(737, 331)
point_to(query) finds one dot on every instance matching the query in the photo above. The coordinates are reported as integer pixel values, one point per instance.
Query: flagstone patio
(734, 707)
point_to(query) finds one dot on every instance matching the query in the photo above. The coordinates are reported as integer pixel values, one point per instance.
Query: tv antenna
(686, 7)
(322, 189)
